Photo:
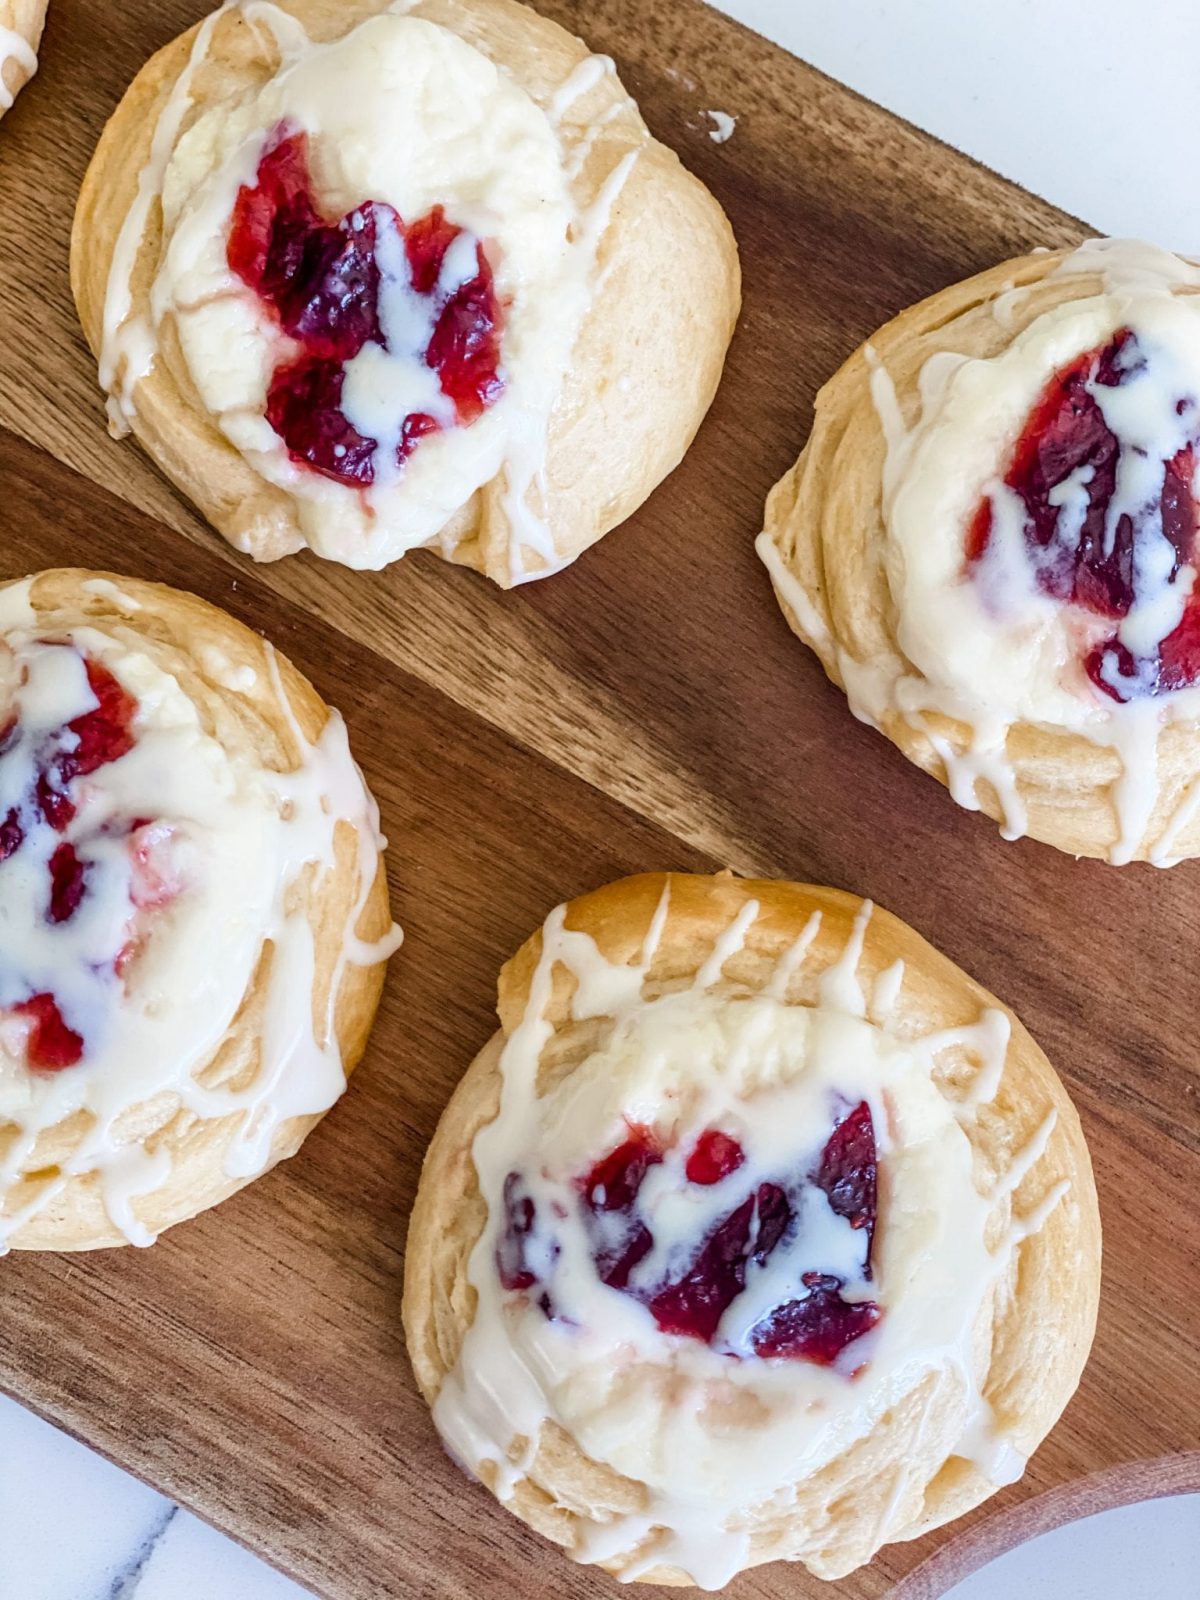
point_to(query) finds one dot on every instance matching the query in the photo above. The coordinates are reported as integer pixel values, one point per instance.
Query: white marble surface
(1111, 141)
(1087, 102)
(1149, 1551)
(74, 1527)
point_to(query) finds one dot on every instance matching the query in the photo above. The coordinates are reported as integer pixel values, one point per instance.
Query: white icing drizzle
(127, 343)
(230, 843)
(886, 992)
(994, 650)
(107, 590)
(286, 32)
(546, 281)
(728, 945)
(670, 1413)
(525, 467)
(1181, 818)
(16, 47)
(221, 670)
(792, 960)
(723, 126)
(578, 83)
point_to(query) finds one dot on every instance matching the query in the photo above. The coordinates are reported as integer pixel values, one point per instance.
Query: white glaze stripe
(127, 345)
(14, 47)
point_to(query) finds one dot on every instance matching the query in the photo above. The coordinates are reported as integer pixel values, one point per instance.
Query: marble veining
(75, 1527)
(127, 1582)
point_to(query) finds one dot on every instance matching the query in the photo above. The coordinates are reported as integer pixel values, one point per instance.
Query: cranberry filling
(817, 1328)
(101, 736)
(68, 880)
(52, 1045)
(323, 282)
(91, 741)
(848, 1172)
(610, 1191)
(715, 1156)
(816, 1324)
(1067, 435)
(520, 1212)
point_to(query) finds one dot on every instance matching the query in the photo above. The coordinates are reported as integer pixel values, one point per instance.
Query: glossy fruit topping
(814, 1323)
(323, 280)
(51, 1045)
(818, 1327)
(1066, 470)
(91, 741)
(714, 1157)
(848, 1172)
(516, 1271)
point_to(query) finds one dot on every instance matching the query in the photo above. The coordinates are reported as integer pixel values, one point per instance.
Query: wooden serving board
(647, 708)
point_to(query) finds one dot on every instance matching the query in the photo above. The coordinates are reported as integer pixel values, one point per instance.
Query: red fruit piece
(715, 1156)
(304, 406)
(1066, 431)
(693, 1305)
(1177, 665)
(322, 280)
(614, 1182)
(848, 1170)
(272, 217)
(1065, 434)
(12, 835)
(416, 426)
(105, 734)
(817, 1327)
(465, 348)
(102, 736)
(520, 1217)
(425, 244)
(610, 1190)
(52, 1045)
(68, 883)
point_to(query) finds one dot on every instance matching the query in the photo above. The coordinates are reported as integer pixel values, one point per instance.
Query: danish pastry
(21, 23)
(758, 1232)
(369, 277)
(990, 543)
(195, 911)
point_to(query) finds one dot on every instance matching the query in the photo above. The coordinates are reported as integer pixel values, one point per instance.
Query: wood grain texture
(647, 708)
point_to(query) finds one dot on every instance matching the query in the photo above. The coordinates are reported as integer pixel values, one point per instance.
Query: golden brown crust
(826, 519)
(25, 18)
(668, 287)
(189, 638)
(1038, 1327)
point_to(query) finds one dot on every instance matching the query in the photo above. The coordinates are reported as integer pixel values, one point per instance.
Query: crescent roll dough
(365, 278)
(196, 913)
(990, 542)
(759, 1231)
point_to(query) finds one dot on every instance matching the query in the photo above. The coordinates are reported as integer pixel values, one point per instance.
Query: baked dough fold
(654, 1455)
(196, 909)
